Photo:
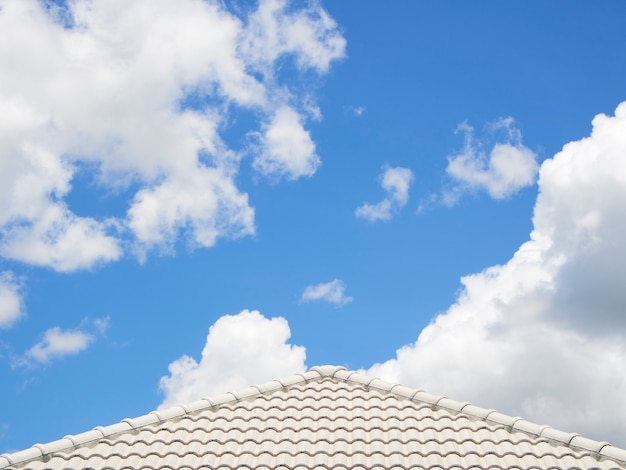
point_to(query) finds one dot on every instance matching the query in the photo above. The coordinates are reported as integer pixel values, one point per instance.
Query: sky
(196, 196)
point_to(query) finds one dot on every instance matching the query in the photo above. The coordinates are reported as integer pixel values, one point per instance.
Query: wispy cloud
(333, 292)
(396, 182)
(501, 170)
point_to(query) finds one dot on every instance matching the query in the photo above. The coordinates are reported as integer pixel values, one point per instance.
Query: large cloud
(240, 350)
(137, 94)
(544, 335)
(140, 92)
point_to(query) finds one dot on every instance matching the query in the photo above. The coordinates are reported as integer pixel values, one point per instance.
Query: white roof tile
(326, 418)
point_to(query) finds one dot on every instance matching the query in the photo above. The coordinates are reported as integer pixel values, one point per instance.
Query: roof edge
(516, 423)
(574, 440)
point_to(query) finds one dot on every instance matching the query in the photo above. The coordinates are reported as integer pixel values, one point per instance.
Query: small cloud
(396, 182)
(57, 343)
(287, 148)
(502, 171)
(333, 292)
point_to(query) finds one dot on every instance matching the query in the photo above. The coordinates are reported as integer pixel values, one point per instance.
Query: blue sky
(317, 183)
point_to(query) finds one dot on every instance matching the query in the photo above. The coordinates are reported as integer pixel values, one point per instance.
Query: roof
(325, 418)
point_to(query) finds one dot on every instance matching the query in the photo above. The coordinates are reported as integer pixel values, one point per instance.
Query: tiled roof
(325, 418)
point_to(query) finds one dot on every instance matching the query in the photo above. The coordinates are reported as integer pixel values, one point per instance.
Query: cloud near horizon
(333, 292)
(396, 182)
(240, 350)
(102, 87)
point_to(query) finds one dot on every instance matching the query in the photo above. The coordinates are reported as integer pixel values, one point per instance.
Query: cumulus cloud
(333, 292)
(396, 182)
(240, 350)
(287, 148)
(507, 167)
(104, 86)
(11, 308)
(543, 336)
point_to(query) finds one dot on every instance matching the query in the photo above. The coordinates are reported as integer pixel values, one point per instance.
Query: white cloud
(544, 335)
(509, 166)
(308, 34)
(240, 350)
(60, 240)
(57, 343)
(287, 148)
(101, 85)
(11, 308)
(333, 292)
(396, 182)
(207, 202)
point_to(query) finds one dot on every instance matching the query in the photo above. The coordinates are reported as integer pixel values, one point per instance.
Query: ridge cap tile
(222, 399)
(167, 413)
(529, 427)
(501, 418)
(359, 378)
(402, 391)
(612, 452)
(587, 444)
(327, 370)
(55, 446)
(450, 404)
(197, 405)
(429, 398)
(140, 421)
(247, 392)
(379, 384)
(271, 386)
(477, 411)
(296, 379)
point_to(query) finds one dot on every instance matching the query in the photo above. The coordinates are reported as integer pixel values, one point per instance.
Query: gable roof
(325, 418)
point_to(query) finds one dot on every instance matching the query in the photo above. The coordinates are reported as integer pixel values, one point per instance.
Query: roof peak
(339, 373)
(327, 370)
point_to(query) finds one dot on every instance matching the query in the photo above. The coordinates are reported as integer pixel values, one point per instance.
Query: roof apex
(340, 374)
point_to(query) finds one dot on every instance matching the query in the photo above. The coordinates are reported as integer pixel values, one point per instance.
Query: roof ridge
(516, 423)
(573, 440)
